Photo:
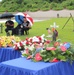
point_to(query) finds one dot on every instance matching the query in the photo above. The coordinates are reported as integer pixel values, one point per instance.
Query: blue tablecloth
(21, 66)
(8, 54)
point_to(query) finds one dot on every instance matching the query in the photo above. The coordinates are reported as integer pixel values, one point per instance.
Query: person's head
(24, 19)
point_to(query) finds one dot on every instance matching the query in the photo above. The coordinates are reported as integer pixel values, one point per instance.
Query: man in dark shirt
(9, 26)
(26, 26)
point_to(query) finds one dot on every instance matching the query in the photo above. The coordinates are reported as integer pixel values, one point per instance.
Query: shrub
(59, 7)
(45, 9)
(34, 9)
(70, 7)
(52, 5)
(65, 4)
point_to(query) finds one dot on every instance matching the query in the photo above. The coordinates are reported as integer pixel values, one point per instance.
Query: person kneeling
(26, 26)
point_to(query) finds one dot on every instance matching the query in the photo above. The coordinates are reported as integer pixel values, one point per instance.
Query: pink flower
(63, 48)
(56, 44)
(38, 57)
(55, 60)
(50, 48)
(48, 41)
(16, 47)
(27, 51)
(29, 57)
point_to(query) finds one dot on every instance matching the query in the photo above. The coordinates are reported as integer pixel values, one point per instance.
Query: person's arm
(28, 24)
(6, 24)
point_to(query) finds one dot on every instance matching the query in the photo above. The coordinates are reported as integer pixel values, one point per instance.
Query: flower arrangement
(38, 48)
(28, 43)
(8, 41)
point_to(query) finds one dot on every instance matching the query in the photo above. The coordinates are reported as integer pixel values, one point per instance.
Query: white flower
(23, 42)
(24, 52)
(31, 47)
(14, 41)
(19, 47)
(14, 47)
(61, 44)
(26, 47)
(35, 39)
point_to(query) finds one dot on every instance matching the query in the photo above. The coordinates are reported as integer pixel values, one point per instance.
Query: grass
(66, 34)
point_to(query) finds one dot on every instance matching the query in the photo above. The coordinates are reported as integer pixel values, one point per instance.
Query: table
(8, 54)
(22, 66)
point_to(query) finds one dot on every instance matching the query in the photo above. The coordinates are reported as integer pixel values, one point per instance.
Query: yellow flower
(8, 40)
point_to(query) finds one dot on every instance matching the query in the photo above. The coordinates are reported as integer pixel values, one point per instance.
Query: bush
(52, 5)
(45, 9)
(70, 7)
(34, 9)
(35, 5)
(2, 9)
(65, 4)
(59, 7)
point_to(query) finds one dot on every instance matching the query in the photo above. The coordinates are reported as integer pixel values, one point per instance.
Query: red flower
(27, 43)
(27, 39)
(40, 39)
(55, 60)
(63, 48)
(21, 44)
(50, 48)
(48, 41)
(38, 57)
(31, 40)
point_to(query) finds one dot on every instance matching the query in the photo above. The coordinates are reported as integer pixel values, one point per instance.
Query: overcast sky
(0, 0)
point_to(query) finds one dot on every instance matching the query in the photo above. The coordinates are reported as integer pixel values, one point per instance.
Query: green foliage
(2, 9)
(68, 3)
(58, 7)
(45, 9)
(49, 55)
(52, 5)
(45, 6)
(35, 5)
(34, 9)
(70, 7)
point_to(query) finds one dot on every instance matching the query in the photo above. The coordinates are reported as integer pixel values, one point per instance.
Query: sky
(0, 0)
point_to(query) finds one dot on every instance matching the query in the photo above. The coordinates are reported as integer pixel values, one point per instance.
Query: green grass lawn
(39, 28)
